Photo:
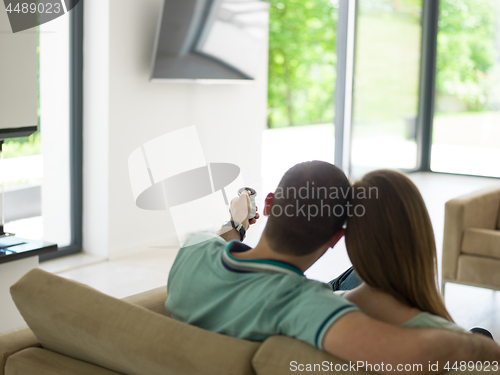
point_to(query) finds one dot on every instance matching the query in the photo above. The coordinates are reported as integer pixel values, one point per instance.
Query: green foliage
(24, 146)
(302, 55)
(390, 6)
(466, 49)
(387, 65)
(302, 61)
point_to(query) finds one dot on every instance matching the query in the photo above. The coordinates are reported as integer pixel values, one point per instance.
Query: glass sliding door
(386, 84)
(42, 197)
(301, 82)
(37, 167)
(466, 128)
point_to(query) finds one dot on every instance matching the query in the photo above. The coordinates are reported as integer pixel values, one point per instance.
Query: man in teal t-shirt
(222, 285)
(250, 299)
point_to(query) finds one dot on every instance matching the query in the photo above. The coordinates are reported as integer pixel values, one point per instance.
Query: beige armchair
(471, 243)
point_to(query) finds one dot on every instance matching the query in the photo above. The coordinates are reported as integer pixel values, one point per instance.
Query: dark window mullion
(430, 14)
(343, 130)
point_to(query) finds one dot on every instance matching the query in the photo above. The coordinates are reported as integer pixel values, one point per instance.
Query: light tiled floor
(120, 277)
(70, 262)
(149, 268)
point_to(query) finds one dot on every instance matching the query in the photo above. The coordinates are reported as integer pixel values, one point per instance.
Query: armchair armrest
(14, 342)
(479, 209)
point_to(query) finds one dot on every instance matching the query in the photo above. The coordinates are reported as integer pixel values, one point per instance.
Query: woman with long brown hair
(392, 249)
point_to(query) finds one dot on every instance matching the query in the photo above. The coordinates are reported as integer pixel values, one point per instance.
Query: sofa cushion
(478, 271)
(44, 362)
(485, 242)
(80, 322)
(284, 355)
(14, 342)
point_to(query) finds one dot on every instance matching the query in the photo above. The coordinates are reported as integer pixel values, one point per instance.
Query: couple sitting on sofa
(260, 292)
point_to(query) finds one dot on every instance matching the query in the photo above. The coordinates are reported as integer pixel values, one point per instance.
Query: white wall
(123, 110)
(96, 127)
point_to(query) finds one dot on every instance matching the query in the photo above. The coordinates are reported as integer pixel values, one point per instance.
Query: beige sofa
(471, 242)
(75, 329)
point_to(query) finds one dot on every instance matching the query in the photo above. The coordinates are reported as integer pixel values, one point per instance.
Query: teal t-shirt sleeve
(193, 243)
(428, 320)
(200, 239)
(312, 311)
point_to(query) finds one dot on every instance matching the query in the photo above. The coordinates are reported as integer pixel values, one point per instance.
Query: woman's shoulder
(428, 320)
(340, 293)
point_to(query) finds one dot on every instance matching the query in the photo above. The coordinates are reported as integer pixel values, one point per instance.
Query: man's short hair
(308, 208)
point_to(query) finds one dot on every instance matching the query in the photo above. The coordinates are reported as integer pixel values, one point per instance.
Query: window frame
(426, 94)
(76, 135)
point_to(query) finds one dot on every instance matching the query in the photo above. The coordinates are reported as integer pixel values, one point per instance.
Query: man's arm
(357, 337)
(229, 234)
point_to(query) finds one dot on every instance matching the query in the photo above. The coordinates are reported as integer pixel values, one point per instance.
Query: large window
(466, 136)
(302, 72)
(418, 85)
(42, 173)
(301, 62)
(386, 83)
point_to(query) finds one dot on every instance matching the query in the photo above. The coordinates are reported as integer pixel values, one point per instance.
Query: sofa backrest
(280, 355)
(77, 321)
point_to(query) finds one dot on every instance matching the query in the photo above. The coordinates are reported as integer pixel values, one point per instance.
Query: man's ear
(267, 204)
(336, 238)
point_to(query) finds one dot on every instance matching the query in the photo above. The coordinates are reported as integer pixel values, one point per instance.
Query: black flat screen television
(219, 40)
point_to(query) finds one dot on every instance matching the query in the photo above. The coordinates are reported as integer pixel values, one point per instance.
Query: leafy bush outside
(466, 50)
(302, 56)
(24, 146)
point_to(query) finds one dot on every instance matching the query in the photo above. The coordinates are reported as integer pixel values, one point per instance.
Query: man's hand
(240, 212)
(254, 220)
